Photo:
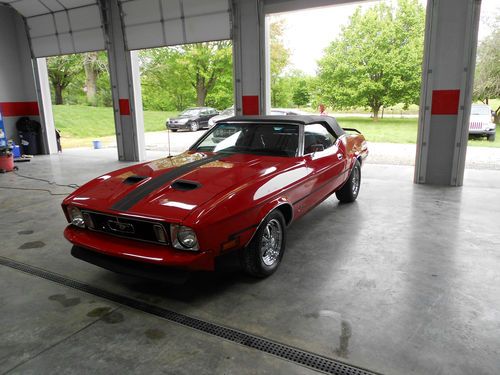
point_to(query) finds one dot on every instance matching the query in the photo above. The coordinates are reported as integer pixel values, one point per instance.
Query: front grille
(475, 125)
(141, 230)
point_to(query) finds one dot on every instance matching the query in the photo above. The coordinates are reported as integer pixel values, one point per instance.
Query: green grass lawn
(87, 123)
(385, 130)
(79, 121)
(397, 130)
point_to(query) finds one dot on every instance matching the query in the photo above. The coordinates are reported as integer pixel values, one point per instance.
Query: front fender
(267, 208)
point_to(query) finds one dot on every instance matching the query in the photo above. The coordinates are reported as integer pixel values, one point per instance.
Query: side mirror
(317, 147)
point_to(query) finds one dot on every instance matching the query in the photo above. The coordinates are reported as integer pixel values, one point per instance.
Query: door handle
(340, 156)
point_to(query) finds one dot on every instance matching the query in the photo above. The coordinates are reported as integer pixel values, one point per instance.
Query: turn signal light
(160, 233)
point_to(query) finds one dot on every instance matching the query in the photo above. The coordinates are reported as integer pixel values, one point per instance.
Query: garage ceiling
(59, 27)
(156, 23)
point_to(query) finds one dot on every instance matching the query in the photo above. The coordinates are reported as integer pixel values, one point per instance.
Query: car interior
(316, 135)
(279, 139)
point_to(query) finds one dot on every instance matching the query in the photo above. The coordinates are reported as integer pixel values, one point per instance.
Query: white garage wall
(157, 23)
(59, 27)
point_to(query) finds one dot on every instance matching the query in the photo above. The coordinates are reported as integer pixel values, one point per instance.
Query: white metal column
(125, 87)
(45, 105)
(248, 25)
(447, 80)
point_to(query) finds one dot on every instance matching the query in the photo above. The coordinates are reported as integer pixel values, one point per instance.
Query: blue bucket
(97, 145)
(16, 151)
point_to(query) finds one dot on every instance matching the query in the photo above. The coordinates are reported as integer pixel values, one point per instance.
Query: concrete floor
(403, 281)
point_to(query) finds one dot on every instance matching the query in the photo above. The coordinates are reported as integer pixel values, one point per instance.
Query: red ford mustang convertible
(236, 189)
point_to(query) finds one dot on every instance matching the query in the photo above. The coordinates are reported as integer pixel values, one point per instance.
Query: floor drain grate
(300, 357)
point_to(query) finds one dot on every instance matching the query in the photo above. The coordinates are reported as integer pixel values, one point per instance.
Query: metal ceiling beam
(280, 6)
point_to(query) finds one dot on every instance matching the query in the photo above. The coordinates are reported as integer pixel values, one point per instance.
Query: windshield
(480, 110)
(190, 112)
(267, 139)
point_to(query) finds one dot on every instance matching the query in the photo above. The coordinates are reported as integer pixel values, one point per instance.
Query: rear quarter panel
(356, 146)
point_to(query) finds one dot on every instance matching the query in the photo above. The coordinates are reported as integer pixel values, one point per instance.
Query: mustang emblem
(116, 226)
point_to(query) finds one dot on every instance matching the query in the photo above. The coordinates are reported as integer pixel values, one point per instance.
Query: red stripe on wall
(124, 107)
(13, 109)
(445, 102)
(250, 104)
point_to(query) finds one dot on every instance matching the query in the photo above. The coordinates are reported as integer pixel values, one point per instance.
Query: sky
(309, 32)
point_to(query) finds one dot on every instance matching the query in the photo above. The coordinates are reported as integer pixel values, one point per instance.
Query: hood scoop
(130, 180)
(185, 185)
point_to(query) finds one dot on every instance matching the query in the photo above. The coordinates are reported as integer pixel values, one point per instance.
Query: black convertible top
(293, 119)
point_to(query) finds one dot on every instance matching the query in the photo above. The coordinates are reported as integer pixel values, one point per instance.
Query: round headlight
(76, 217)
(187, 237)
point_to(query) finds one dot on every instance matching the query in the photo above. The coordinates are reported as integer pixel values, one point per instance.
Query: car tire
(194, 126)
(491, 137)
(263, 255)
(173, 130)
(349, 192)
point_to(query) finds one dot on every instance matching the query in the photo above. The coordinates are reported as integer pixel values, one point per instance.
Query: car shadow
(229, 273)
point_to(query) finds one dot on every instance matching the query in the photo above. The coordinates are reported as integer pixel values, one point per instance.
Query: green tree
(62, 70)
(292, 89)
(301, 96)
(164, 83)
(376, 61)
(487, 76)
(205, 63)
(280, 58)
(182, 76)
(94, 64)
(301, 88)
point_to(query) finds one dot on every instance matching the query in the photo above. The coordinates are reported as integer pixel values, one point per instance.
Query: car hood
(146, 190)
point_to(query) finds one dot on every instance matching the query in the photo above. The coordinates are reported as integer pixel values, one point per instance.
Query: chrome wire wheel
(355, 181)
(272, 239)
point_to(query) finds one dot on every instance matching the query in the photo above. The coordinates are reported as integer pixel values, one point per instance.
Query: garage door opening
(81, 98)
(483, 147)
(360, 63)
(185, 86)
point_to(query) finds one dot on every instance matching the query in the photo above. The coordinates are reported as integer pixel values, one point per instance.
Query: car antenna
(168, 140)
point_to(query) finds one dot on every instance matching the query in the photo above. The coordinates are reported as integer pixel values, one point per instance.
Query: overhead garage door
(58, 27)
(156, 23)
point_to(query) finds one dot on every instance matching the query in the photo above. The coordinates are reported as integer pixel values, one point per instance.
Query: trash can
(29, 135)
(29, 142)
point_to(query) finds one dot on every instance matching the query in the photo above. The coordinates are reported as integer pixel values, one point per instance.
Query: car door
(325, 156)
(205, 116)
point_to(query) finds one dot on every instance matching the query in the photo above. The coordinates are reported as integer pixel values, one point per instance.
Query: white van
(481, 122)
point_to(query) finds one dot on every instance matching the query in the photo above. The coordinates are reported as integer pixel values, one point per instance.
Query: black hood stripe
(127, 202)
